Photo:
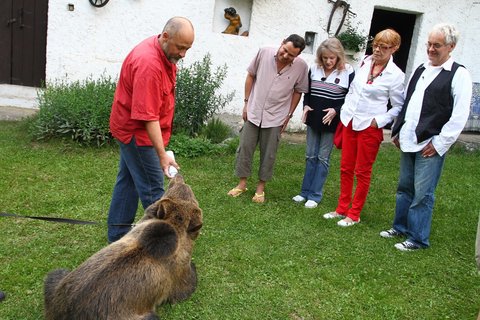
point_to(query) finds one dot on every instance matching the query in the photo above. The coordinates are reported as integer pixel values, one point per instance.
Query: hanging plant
(351, 39)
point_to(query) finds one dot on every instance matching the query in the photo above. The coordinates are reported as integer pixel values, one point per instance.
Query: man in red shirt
(141, 121)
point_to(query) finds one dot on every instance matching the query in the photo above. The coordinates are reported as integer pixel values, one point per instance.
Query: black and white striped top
(326, 92)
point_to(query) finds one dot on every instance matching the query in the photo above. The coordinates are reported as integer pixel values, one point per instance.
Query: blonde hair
(389, 37)
(335, 46)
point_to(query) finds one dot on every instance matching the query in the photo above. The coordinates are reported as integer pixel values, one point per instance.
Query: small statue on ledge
(235, 22)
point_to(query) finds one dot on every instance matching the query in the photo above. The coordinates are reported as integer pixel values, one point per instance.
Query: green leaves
(79, 111)
(351, 39)
(197, 97)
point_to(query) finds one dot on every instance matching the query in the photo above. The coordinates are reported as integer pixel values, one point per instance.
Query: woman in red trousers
(364, 114)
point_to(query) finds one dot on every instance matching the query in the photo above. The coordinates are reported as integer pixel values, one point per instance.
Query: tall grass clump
(197, 97)
(216, 130)
(77, 110)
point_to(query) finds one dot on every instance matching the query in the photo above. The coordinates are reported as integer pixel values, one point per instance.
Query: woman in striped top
(329, 80)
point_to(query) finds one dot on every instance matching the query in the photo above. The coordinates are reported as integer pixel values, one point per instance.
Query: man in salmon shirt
(141, 121)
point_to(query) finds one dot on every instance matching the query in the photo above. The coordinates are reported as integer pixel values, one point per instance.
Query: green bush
(197, 99)
(79, 111)
(352, 39)
(189, 147)
(216, 131)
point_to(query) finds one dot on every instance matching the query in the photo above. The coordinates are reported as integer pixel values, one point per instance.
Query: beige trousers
(268, 140)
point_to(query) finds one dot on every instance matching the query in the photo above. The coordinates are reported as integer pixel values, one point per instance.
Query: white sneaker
(311, 204)
(390, 233)
(343, 223)
(333, 215)
(407, 246)
(299, 198)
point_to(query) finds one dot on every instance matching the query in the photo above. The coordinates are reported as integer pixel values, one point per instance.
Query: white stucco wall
(90, 41)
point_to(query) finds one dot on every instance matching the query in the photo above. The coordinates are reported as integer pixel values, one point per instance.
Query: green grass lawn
(276, 260)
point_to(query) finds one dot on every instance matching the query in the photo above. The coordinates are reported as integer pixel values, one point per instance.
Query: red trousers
(359, 151)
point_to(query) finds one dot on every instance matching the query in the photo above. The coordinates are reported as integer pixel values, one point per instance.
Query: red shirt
(145, 92)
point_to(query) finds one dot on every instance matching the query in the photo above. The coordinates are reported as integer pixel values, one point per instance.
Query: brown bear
(127, 279)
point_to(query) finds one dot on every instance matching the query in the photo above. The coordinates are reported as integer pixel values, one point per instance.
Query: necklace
(371, 76)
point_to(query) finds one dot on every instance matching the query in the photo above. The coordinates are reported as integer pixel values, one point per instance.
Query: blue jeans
(139, 177)
(319, 148)
(418, 180)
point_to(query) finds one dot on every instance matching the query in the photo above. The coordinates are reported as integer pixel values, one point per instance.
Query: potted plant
(352, 40)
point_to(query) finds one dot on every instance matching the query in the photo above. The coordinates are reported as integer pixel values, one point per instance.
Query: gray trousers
(268, 140)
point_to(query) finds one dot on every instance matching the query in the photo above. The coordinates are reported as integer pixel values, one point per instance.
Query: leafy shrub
(78, 110)
(351, 39)
(197, 99)
(216, 131)
(189, 147)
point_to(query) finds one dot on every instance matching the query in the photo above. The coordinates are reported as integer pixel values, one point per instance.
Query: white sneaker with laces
(311, 204)
(407, 246)
(333, 215)
(298, 198)
(390, 233)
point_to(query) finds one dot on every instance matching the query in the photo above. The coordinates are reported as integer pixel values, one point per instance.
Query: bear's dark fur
(127, 279)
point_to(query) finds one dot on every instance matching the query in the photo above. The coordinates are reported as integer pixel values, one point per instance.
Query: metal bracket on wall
(98, 3)
(346, 9)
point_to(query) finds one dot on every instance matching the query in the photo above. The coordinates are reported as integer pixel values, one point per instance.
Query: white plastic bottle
(172, 171)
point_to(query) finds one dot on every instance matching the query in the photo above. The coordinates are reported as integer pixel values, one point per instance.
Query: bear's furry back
(129, 278)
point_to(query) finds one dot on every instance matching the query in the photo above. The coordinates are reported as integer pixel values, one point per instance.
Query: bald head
(176, 38)
(176, 24)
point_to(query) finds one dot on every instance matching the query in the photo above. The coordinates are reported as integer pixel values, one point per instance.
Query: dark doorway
(401, 22)
(23, 35)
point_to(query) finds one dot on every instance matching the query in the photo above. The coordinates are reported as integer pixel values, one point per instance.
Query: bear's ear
(165, 208)
(159, 239)
(195, 224)
(151, 211)
(157, 210)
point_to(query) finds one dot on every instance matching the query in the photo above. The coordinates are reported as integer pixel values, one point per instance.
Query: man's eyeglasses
(381, 47)
(434, 45)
